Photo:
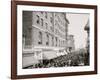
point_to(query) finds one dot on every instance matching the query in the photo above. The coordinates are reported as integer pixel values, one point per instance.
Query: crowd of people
(71, 59)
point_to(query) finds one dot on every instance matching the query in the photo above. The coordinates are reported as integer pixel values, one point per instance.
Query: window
(45, 14)
(63, 42)
(41, 22)
(51, 20)
(52, 41)
(52, 29)
(47, 42)
(56, 22)
(59, 42)
(56, 41)
(46, 26)
(38, 22)
(40, 38)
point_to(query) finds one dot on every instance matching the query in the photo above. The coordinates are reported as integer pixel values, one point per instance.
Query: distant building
(43, 30)
(87, 28)
(70, 43)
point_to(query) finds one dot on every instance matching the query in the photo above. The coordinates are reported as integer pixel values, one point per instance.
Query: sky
(76, 26)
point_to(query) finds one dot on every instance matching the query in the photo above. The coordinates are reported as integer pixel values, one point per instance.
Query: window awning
(49, 55)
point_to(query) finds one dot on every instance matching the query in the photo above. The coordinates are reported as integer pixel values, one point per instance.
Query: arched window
(38, 22)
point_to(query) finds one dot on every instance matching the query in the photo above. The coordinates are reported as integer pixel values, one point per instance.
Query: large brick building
(42, 31)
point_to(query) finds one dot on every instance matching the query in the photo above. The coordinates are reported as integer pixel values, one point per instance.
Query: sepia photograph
(55, 39)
